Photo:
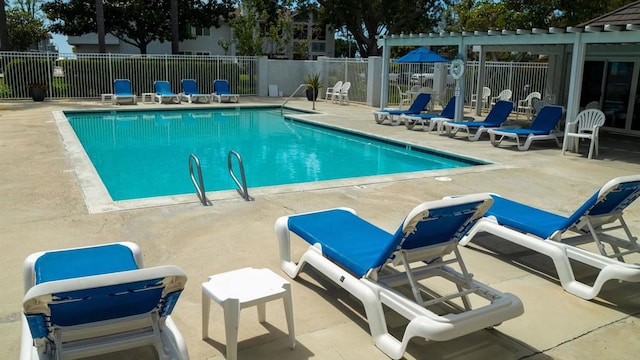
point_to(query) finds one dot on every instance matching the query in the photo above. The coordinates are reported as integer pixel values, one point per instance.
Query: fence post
(111, 76)
(374, 80)
(263, 76)
(510, 74)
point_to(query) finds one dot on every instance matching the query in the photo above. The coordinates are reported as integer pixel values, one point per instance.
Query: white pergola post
(384, 86)
(575, 81)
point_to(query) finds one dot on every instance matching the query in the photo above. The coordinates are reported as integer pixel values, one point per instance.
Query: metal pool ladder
(241, 187)
(199, 184)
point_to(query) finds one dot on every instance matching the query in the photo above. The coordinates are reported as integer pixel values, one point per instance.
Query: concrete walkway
(42, 207)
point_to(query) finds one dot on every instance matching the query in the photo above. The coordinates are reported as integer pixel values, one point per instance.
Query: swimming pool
(140, 154)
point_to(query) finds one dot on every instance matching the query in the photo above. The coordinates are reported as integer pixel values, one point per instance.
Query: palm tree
(102, 47)
(4, 29)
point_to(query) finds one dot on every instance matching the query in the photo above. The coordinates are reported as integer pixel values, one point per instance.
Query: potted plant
(37, 91)
(313, 87)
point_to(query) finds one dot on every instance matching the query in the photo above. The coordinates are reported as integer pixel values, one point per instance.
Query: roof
(628, 14)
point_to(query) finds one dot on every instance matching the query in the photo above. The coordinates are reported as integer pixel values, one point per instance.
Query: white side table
(106, 97)
(238, 289)
(148, 98)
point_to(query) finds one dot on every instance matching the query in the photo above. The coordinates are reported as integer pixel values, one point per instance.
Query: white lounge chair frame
(494, 133)
(453, 127)
(169, 96)
(562, 251)
(230, 97)
(394, 116)
(585, 126)
(195, 97)
(100, 337)
(378, 287)
(118, 97)
(496, 136)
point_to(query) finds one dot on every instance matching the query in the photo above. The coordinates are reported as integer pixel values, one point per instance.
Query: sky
(61, 43)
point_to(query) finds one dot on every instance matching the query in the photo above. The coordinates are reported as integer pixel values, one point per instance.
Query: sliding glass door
(610, 83)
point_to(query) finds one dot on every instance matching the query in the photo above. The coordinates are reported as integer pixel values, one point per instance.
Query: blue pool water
(141, 154)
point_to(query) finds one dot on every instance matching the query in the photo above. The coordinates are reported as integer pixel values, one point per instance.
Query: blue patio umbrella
(421, 55)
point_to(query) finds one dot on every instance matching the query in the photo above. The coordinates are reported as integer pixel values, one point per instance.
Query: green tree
(24, 30)
(30, 6)
(366, 20)
(245, 32)
(470, 15)
(136, 22)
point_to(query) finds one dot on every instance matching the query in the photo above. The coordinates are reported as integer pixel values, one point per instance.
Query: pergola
(615, 33)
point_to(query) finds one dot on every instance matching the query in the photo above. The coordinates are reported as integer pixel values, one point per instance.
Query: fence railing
(90, 75)
(520, 78)
(352, 70)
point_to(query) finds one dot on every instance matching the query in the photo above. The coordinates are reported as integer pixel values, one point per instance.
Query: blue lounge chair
(221, 91)
(358, 257)
(163, 92)
(191, 94)
(496, 117)
(122, 91)
(83, 302)
(424, 120)
(594, 221)
(393, 115)
(543, 127)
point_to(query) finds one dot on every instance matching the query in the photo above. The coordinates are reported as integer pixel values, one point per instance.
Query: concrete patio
(42, 207)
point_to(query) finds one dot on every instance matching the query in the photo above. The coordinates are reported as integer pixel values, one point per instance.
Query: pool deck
(43, 208)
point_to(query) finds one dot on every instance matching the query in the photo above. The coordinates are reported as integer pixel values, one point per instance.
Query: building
(309, 42)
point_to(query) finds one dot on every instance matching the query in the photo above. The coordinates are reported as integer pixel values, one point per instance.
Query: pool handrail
(241, 187)
(199, 184)
(290, 97)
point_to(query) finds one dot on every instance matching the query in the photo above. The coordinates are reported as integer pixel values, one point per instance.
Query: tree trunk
(4, 29)
(175, 28)
(102, 47)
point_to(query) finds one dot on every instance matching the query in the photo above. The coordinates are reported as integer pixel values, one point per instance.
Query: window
(319, 32)
(202, 31)
(318, 47)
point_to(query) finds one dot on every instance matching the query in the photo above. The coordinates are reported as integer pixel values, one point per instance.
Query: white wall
(289, 74)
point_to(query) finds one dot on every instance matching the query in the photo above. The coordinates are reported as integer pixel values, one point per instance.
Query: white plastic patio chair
(525, 105)
(504, 95)
(332, 90)
(404, 97)
(342, 94)
(585, 126)
(486, 95)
